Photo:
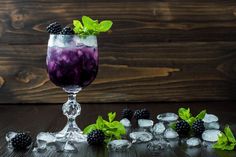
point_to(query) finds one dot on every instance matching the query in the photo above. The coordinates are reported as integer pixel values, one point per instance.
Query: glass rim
(73, 35)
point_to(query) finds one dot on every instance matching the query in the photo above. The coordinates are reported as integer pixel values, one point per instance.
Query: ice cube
(10, 135)
(167, 117)
(138, 137)
(193, 142)
(158, 146)
(212, 125)
(170, 134)
(158, 128)
(70, 147)
(209, 118)
(119, 145)
(211, 135)
(145, 123)
(125, 122)
(47, 137)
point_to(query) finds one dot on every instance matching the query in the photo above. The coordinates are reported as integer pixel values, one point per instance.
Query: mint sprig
(186, 115)
(90, 26)
(112, 129)
(226, 140)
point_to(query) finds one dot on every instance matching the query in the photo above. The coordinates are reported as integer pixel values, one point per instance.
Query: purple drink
(72, 61)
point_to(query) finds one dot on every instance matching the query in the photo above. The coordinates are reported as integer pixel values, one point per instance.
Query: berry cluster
(138, 114)
(21, 141)
(56, 28)
(96, 137)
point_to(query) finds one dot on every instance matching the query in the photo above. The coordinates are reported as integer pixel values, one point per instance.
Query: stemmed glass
(72, 64)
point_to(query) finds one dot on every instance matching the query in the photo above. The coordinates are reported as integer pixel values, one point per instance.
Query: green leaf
(77, 24)
(225, 140)
(184, 113)
(173, 126)
(89, 23)
(104, 26)
(111, 116)
(89, 128)
(201, 115)
(99, 122)
(191, 120)
(229, 134)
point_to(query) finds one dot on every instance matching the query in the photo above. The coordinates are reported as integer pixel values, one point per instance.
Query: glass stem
(71, 109)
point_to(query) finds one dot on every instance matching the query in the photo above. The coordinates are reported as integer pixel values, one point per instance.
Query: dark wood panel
(142, 21)
(199, 71)
(166, 50)
(37, 118)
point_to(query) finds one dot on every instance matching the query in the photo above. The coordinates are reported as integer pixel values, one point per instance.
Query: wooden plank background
(159, 50)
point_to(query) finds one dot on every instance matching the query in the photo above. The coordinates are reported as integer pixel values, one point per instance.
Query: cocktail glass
(72, 64)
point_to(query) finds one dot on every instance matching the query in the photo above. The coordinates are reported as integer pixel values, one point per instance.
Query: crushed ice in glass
(158, 128)
(211, 135)
(119, 145)
(138, 137)
(193, 142)
(170, 134)
(145, 123)
(209, 118)
(167, 117)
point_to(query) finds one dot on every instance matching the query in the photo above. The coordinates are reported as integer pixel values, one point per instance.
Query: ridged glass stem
(71, 109)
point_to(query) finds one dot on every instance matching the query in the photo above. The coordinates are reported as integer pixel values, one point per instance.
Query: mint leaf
(184, 113)
(111, 116)
(173, 125)
(201, 115)
(104, 26)
(89, 128)
(99, 122)
(229, 134)
(89, 23)
(226, 140)
(191, 120)
(77, 24)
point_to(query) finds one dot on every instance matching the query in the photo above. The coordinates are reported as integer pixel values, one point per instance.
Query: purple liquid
(72, 65)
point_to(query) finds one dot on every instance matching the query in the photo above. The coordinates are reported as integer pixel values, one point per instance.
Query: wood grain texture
(37, 118)
(166, 50)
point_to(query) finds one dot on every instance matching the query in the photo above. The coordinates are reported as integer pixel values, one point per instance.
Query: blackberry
(142, 114)
(127, 113)
(182, 128)
(21, 141)
(54, 28)
(67, 31)
(96, 137)
(198, 127)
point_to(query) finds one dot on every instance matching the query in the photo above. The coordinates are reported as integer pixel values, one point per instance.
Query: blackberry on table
(67, 31)
(198, 127)
(127, 113)
(96, 137)
(21, 141)
(54, 28)
(182, 128)
(142, 114)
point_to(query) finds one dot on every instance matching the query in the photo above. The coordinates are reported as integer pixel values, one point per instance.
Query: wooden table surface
(48, 117)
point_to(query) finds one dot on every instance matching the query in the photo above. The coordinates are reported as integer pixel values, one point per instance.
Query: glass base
(71, 136)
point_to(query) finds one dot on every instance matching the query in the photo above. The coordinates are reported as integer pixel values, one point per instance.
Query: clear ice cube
(167, 117)
(10, 135)
(158, 128)
(193, 142)
(119, 145)
(211, 135)
(47, 137)
(158, 146)
(170, 134)
(125, 122)
(209, 118)
(138, 137)
(212, 125)
(145, 123)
